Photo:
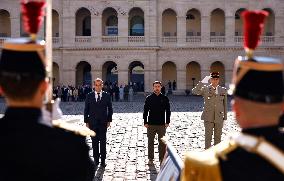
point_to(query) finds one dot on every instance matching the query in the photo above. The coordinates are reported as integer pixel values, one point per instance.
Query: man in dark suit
(98, 116)
(30, 148)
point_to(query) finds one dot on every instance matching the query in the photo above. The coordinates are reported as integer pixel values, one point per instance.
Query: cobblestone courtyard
(127, 138)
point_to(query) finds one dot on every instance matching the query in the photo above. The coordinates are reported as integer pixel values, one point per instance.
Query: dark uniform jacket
(33, 151)
(98, 113)
(228, 161)
(215, 105)
(281, 120)
(243, 165)
(156, 106)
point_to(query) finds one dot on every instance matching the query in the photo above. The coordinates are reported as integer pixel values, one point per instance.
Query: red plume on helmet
(32, 15)
(253, 27)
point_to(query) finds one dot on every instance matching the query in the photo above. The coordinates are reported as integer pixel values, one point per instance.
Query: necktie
(99, 98)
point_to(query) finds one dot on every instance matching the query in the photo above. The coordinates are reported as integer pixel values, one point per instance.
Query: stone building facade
(146, 40)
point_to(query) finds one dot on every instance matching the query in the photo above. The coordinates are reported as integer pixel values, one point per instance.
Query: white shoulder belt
(263, 148)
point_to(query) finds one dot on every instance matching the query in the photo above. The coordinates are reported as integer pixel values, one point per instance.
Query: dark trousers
(116, 97)
(151, 132)
(99, 144)
(126, 97)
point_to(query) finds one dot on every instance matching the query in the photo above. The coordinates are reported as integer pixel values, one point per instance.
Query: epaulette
(202, 166)
(263, 148)
(77, 129)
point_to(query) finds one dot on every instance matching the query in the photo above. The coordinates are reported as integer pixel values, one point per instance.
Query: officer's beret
(23, 58)
(215, 75)
(258, 79)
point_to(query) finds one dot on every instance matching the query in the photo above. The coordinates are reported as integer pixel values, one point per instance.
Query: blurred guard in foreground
(257, 153)
(31, 150)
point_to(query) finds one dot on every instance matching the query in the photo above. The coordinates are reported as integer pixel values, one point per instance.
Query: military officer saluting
(257, 153)
(215, 107)
(31, 149)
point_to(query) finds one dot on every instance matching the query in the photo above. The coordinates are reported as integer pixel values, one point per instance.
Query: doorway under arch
(83, 74)
(193, 74)
(110, 73)
(136, 75)
(169, 73)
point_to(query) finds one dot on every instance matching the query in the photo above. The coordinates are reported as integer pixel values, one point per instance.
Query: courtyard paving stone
(127, 138)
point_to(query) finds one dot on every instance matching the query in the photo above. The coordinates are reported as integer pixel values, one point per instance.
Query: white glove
(206, 79)
(56, 113)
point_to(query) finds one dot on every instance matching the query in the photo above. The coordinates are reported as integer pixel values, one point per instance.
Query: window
(137, 26)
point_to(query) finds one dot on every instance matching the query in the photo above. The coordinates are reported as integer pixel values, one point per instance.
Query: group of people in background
(172, 85)
(79, 93)
(125, 92)
(71, 93)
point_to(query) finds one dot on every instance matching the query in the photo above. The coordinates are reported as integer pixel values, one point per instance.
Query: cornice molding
(156, 48)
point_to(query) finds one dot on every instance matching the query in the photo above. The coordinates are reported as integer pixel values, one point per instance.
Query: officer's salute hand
(108, 124)
(146, 125)
(206, 80)
(166, 125)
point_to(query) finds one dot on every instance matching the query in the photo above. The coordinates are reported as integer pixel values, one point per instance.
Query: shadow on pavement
(153, 172)
(99, 174)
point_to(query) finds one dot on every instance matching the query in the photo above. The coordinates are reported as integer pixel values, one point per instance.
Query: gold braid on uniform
(80, 130)
(202, 166)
